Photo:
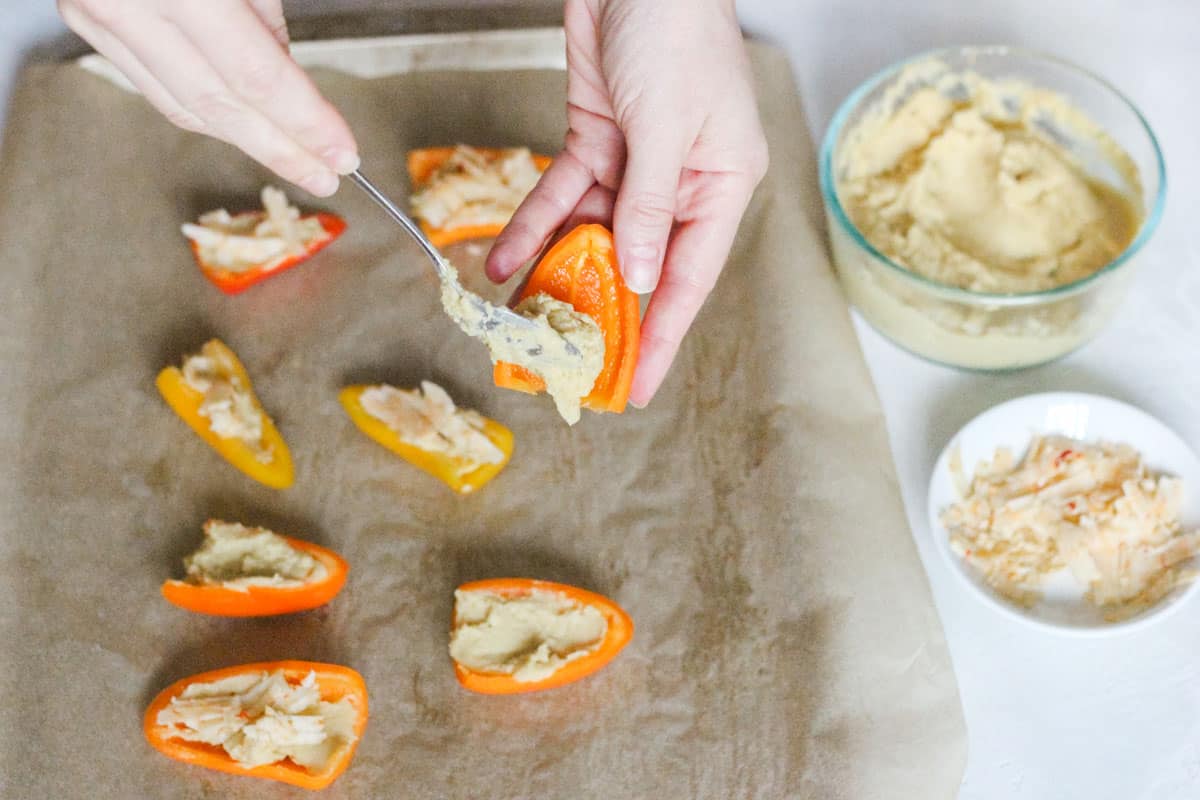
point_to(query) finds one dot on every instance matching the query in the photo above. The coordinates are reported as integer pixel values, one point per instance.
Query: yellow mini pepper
(449, 469)
(186, 401)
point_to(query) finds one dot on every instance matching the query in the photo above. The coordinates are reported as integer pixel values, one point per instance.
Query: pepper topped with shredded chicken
(228, 404)
(256, 239)
(427, 418)
(261, 718)
(1095, 509)
(473, 187)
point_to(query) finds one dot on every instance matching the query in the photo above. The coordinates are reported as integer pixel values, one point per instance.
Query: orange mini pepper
(616, 636)
(235, 282)
(334, 683)
(263, 601)
(581, 269)
(277, 473)
(423, 163)
(445, 468)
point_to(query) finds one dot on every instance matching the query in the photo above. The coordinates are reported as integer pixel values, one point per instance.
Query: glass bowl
(980, 330)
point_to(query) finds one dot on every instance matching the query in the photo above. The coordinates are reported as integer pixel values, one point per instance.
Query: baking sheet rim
(376, 56)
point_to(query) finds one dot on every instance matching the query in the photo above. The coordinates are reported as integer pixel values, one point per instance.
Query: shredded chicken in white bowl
(1070, 510)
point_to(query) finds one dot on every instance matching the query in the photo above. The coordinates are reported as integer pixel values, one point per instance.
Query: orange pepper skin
(334, 683)
(263, 601)
(439, 465)
(581, 269)
(231, 282)
(618, 634)
(185, 401)
(424, 162)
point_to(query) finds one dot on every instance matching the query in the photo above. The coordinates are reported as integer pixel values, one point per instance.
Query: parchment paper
(749, 519)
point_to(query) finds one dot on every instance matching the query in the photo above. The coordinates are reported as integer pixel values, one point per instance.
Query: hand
(664, 141)
(221, 67)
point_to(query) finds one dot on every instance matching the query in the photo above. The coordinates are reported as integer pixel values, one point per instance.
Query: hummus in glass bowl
(985, 204)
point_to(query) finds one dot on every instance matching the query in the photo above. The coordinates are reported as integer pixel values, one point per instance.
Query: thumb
(645, 208)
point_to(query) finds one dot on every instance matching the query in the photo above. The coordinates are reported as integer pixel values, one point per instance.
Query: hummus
(562, 346)
(261, 718)
(235, 557)
(530, 636)
(966, 183)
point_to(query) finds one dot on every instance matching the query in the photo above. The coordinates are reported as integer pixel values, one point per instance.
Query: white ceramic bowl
(1082, 416)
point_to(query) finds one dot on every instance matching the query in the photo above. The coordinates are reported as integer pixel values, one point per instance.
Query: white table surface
(1049, 718)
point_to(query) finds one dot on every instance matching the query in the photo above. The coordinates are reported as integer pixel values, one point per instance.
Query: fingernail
(342, 161)
(322, 184)
(640, 268)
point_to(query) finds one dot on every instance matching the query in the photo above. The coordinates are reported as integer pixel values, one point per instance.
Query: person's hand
(665, 143)
(221, 67)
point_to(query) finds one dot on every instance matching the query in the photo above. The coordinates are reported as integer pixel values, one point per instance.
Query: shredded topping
(1092, 508)
(228, 403)
(234, 556)
(260, 718)
(473, 188)
(238, 242)
(427, 418)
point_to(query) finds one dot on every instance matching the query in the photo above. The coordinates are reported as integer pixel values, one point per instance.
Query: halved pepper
(277, 473)
(334, 683)
(445, 468)
(581, 269)
(618, 633)
(263, 601)
(423, 163)
(235, 282)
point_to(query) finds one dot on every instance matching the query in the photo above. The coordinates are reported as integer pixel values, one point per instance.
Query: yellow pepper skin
(439, 465)
(277, 473)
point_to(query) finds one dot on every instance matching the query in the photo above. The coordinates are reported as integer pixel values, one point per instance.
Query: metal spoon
(495, 316)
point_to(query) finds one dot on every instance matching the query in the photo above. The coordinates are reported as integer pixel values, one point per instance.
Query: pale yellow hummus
(235, 556)
(966, 183)
(564, 347)
(529, 636)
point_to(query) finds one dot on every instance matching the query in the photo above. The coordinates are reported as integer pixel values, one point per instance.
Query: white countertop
(1049, 718)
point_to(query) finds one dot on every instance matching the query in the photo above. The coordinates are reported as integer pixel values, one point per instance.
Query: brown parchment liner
(749, 519)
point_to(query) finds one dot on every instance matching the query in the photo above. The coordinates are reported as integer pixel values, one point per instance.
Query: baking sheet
(749, 520)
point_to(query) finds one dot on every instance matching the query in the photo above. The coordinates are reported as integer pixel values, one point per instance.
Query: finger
(271, 14)
(696, 256)
(596, 205)
(241, 49)
(545, 208)
(646, 202)
(194, 84)
(115, 51)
